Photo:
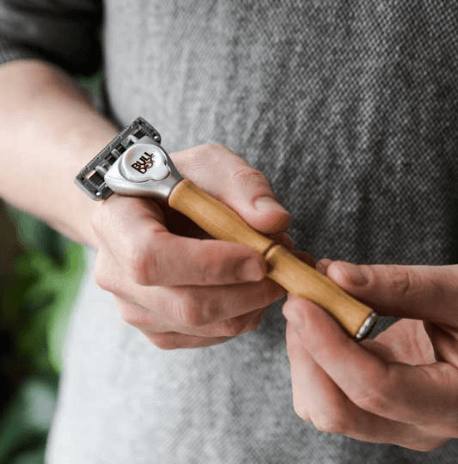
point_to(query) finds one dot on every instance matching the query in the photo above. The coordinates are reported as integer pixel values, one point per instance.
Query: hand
(182, 291)
(402, 387)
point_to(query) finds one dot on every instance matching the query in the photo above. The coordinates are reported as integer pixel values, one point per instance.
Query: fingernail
(251, 270)
(265, 204)
(357, 275)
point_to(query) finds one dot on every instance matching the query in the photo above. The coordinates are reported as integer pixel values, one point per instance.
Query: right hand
(184, 292)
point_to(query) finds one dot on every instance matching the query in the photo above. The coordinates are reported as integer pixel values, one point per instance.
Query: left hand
(402, 387)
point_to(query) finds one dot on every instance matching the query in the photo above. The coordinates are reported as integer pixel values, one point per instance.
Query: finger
(302, 369)
(319, 400)
(174, 340)
(230, 179)
(322, 265)
(156, 322)
(131, 229)
(200, 306)
(418, 292)
(188, 306)
(229, 328)
(405, 341)
(418, 395)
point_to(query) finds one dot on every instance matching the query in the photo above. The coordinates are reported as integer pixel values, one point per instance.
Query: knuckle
(234, 327)
(426, 447)
(242, 324)
(301, 410)
(209, 269)
(333, 423)
(132, 319)
(404, 281)
(428, 442)
(206, 311)
(103, 281)
(434, 444)
(142, 266)
(189, 312)
(215, 266)
(373, 399)
(104, 276)
(248, 174)
(253, 325)
(132, 314)
(255, 320)
(166, 341)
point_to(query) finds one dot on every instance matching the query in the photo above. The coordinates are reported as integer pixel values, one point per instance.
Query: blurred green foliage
(36, 304)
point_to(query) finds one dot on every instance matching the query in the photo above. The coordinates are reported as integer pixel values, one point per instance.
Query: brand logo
(144, 163)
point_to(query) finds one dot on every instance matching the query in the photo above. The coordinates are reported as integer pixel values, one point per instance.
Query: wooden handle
(292, 274)
(214, 217)
(305, 282)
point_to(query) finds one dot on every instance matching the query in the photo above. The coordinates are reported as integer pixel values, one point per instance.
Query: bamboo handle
(305, 282)
(216, 218)
(292, 274)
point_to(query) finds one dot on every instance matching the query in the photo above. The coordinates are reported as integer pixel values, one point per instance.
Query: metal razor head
(133, 163)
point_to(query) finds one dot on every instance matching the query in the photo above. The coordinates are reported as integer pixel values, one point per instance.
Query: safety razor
(134, 163)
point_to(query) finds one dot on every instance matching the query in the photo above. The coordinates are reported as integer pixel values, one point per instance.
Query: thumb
(416, 292)
(230, 179)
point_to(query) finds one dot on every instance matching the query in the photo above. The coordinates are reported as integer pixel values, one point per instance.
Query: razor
(134, 163)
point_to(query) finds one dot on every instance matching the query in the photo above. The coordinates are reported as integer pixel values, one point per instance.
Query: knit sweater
(349, 108)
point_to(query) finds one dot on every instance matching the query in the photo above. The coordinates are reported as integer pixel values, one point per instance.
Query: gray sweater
(350, 109)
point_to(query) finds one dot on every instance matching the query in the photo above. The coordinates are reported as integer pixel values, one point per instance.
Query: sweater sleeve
(63, 32)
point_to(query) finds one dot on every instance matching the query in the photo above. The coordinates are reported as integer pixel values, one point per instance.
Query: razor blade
(133, 163)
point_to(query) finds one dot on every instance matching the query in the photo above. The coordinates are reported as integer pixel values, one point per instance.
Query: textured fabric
(350, 109)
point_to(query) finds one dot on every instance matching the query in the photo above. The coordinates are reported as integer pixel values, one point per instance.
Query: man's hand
(179, 291)
(189, 292)
(402, 387)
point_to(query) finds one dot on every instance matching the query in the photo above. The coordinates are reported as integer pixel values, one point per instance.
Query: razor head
(91, 178)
